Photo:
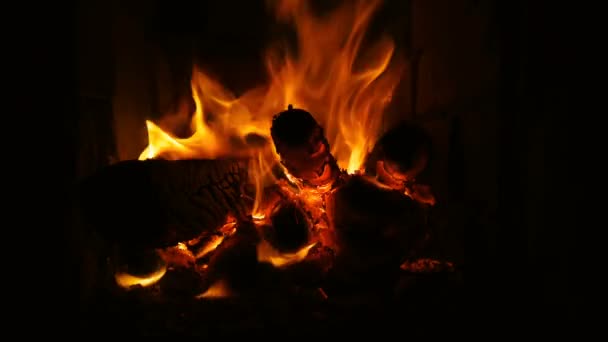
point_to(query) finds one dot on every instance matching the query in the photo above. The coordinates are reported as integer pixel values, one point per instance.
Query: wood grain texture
(157, 203)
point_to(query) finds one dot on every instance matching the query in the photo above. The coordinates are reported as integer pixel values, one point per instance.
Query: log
(375, 227)
(399, 156)
(289, 229)
(303, 148)
(312, 271)
(234, 263)
(181, 283)
(158, 203)
(136, 268)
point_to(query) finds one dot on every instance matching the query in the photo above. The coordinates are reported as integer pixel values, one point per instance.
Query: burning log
(289, 229)
(181, 282)
(233, 267)
(404, 150)
(313, 270)
(135, 268)
(303, 148)
(398, 157)
(158, 203)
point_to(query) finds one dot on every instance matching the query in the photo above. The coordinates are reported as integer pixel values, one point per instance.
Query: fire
(126, 280)
(210, 247)
(345, 90)
(266, 253)
(218, 289)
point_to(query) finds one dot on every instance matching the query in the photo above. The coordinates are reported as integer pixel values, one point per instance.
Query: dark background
(493, 84)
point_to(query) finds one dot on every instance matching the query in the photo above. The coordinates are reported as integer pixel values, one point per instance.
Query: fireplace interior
(295, 168)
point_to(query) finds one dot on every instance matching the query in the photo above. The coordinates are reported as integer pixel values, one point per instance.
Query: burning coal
(291, 174)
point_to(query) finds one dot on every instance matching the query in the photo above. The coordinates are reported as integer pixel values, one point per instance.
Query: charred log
(312, 271)
(289, 229)
(181, 283)
(158, 203)
(128, 264)
(399, 155)
(303, 148)
(375, 227)
(234, 263)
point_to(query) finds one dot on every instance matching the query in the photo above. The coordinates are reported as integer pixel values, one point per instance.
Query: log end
(374, 226)
(400, 154)
(289, 229)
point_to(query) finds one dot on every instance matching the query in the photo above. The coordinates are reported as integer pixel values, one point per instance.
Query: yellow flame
(344, 89)
(213, 243)
(267, 253)
(260, 173)
(329, 76)
(126, 280)
(218, 289)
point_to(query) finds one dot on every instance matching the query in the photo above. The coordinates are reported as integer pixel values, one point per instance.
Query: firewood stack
(321, 227)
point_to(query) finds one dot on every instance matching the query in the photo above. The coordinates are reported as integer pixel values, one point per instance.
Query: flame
(126, 280)
(231, 119)
(260, 174)
(344, 89)
(267, 253)
(213, 243)
(218, 289)
(177, 256)
(329, 76)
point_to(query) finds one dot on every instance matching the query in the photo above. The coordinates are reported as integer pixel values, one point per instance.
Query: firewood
(181, 283)
(310, 272)
(374, 226)
(234, 264)
(303, 148)
(158, 203)
(399, 155)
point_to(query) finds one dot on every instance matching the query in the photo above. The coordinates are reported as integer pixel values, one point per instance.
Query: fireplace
(324, 193)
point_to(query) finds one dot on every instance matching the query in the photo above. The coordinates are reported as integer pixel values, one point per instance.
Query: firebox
(293, 205)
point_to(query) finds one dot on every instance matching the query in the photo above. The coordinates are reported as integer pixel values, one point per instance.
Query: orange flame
(218, 289)
(267, 253)
(126, 280)
(346, 91)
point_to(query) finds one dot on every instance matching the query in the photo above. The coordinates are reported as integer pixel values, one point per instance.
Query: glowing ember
(215, 241)
(345, 90)
(178, 255)
(267, 253)
(219, 289)
(421, 193)
(126, 280)
(427, 265)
